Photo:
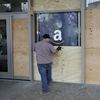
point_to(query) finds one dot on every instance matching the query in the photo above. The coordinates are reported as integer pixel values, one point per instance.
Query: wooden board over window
(93, 46)
(66, 66)
(20, 47)
(45, 5)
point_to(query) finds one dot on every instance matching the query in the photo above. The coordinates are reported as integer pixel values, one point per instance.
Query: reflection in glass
(63, 27)
(3, 46)
(92, 3)
(14, 6)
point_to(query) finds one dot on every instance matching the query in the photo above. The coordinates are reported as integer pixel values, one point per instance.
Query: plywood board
(93, 28)
(92, 46)
(66, 66)
(20, 47)
(46, 5)
(93, 66)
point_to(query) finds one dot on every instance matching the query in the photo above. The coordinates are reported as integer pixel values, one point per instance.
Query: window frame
(79, 21)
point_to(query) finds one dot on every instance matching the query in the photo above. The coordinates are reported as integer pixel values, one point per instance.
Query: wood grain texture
(93, 46)
(66, 66)
(93, 66)
(93, 28)
(45, 5)
(20, 47)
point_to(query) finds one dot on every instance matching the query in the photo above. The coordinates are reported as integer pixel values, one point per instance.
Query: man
(44, 53)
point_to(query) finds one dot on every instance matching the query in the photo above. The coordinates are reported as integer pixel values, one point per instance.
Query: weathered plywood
(93, 66)
(93, 28)
(92, 45)
(45, 5)
(66, 65)
(20, 47)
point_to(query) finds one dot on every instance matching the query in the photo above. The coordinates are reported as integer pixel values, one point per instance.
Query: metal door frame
(9, 73)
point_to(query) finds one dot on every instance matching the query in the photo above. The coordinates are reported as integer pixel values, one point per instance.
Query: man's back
(44, 52)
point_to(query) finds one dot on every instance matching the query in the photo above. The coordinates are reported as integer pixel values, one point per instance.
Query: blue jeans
(45, 73)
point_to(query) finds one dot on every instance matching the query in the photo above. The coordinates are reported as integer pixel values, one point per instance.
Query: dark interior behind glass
(13, 6)
(3, 46)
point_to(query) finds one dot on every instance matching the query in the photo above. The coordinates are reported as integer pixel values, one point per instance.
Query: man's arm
(53, 50)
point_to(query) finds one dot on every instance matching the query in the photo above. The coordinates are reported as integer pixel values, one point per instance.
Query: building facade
(73, 24)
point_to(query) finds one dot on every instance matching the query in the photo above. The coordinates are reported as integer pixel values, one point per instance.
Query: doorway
(64, 29)
(5, 47)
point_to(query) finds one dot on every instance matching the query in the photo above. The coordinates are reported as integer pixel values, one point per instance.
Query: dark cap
(45, 36)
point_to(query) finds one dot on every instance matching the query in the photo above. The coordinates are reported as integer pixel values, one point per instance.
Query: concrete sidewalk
(25, 90)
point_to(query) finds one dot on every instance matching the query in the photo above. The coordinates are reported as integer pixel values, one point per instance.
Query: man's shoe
(44, 92)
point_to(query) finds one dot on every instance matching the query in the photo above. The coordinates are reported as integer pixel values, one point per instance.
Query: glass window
(92, 3)
(3, 46)
(13, 6)
(63, 27)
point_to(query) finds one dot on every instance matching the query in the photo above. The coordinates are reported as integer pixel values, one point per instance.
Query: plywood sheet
(93, 66)
(20, 47)
(92, 46)
(93, 28)
(66, 65)
(45, 5)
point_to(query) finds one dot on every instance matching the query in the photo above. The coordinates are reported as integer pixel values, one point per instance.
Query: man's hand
(58, 48)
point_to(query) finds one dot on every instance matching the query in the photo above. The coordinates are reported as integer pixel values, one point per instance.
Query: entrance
(5, 47)
(64, 29)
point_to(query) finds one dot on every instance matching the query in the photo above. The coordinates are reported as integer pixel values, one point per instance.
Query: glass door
(5, 47)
